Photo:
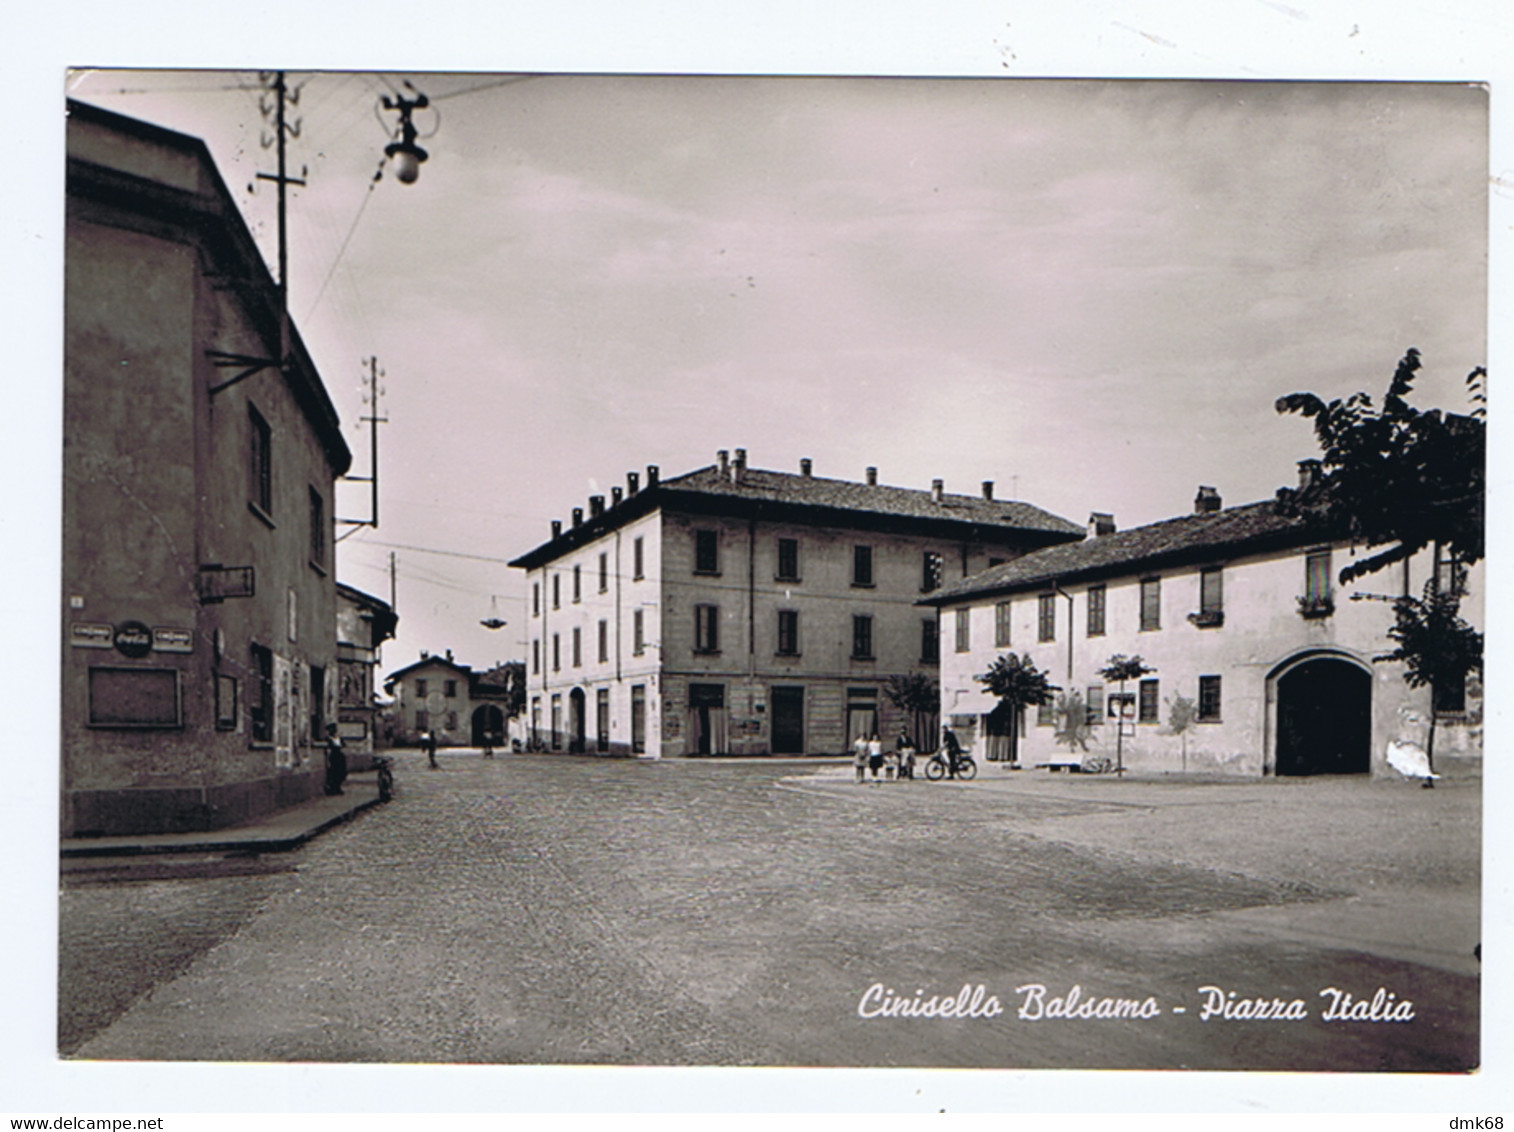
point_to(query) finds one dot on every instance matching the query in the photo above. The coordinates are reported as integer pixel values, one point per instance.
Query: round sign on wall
(435, 702)
(132, 638)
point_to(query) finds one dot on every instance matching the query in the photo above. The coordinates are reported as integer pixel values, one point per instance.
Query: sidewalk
(270, 833)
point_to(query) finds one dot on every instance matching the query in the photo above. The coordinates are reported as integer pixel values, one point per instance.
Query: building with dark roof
(363, 624)
(736, 610)
(199, 613)
(460, 705)
(1261, 661)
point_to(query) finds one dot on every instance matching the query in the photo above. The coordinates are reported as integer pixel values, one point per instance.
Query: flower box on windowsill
(1208, 618)
(1312, 608)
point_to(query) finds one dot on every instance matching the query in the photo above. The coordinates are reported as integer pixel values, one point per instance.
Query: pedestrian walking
(875, 755)
(431, 746)
(859, 757)
(336, 761)
(905, 752)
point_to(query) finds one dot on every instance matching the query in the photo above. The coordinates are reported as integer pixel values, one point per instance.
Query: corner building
(740, 611)
(199, 604)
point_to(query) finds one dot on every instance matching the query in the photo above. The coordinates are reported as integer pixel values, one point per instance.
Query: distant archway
(1324, 716)
(488, 725)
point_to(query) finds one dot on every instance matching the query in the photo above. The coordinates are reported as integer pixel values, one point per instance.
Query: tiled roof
(877, 499)
(1213, 535)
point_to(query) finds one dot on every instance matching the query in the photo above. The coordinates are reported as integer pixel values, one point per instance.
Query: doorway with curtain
(709, 725)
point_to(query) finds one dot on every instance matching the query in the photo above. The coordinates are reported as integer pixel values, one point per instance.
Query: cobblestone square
(541, 910)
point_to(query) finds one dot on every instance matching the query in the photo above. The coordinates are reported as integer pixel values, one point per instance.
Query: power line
(430, 550)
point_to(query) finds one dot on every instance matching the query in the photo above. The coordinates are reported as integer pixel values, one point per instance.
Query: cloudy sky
(1090, 292)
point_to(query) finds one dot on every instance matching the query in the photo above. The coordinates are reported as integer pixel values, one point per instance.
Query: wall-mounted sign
(89, 636)
(217, 582)
(172, 640)
(132, 638)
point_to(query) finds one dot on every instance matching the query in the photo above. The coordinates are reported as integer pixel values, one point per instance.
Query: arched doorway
(577, 724)
(1324, 717)
(488, 725)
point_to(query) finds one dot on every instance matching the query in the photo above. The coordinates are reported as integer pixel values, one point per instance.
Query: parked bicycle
(385, 768)
(938, 767)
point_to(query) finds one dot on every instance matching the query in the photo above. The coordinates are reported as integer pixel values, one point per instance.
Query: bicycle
(385, 768)
(937, 768)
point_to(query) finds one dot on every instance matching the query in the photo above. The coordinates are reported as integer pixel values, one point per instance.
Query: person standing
(859, 757)
(906, 752)
(431, 746)
(336, 761)
(953, 751)
(874, 755)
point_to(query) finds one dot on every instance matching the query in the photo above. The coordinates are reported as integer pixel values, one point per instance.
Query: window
(636, 558)
(1212, 590)
(317, 703)
(1095, 703)
(862, 565)
(706, 552)
(604, 641)
(604, 572)
(1449, 698)
(788, 560)
(535, 655)
(556, 591)
(1209, 699)
(578, 583)
(1046, 617)
(638, 632)
(260, 469)
(964, 630)
(578, 647)
(1002, 613)
(556, 652)
(1046, 714)
(535, 599)
(451, 723)
(317, 530)
(261, 709)
(707, 628)
(1450, 573)
(1096, 595)
(422, 719)
(862, 636)
(449, 689)
(602, 719)
(932, 571)
(1148, 703)
(1151, 604)
(788, 632)
(420, 689)
(1317, 576)
(930, 641)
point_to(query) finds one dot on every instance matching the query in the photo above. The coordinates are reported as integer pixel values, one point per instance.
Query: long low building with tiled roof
(1257, 660)
(738, 610)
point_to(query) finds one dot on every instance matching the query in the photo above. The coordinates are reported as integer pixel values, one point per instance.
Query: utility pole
(373, 391)
(282, 129)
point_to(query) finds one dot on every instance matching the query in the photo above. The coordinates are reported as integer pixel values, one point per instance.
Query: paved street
(531, 909)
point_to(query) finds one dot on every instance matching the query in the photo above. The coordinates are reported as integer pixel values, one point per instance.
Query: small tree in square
(1119, 669)
(1019, 684)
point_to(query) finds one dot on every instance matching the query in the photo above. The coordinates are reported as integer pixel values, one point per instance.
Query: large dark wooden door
(788, 721)
(1324, 719)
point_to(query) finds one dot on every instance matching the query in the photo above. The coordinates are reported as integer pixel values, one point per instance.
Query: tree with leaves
(918, 694)
(1397, 479)
(1072, 721)
(1019, 684)
(1182, 715)
(1119, 669)
(1401, 480)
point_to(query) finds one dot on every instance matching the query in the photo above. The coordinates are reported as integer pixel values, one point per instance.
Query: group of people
(870, 757)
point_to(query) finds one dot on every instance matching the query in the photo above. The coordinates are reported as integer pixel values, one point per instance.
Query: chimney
(578, 516)
(449, 654)
(872, 477)
(633, 483)
(937, 489)
(723, 460)
(988, 489)
(615, 496)
(738, 466)
(806, 467)
(651, 475)
(1100, 523)
(557, 528)
(1308, 474)
(1206, 502)
(596, 505)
